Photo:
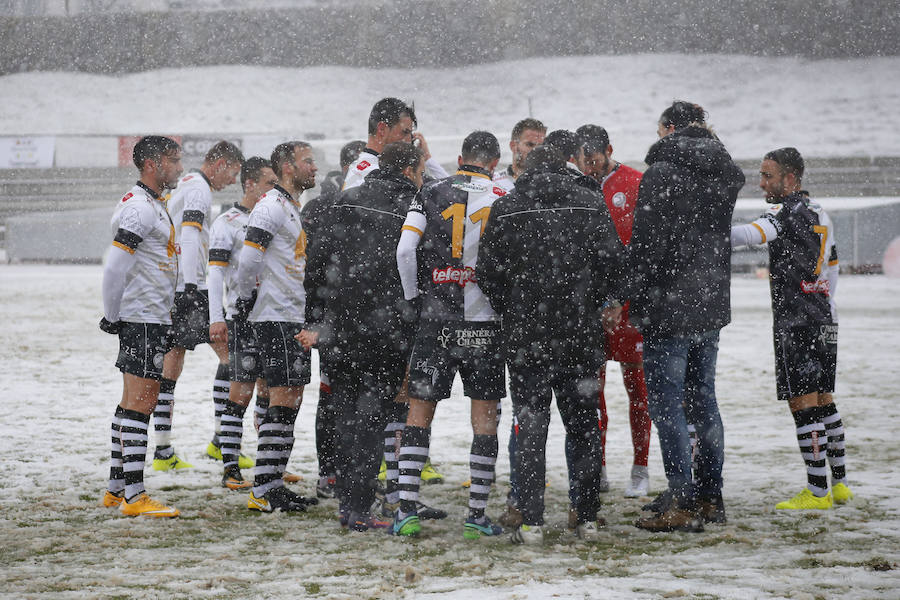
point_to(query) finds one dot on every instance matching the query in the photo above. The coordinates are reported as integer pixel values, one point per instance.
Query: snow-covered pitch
(60, 389)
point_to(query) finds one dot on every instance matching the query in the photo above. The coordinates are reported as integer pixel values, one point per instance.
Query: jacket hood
(693, 148)
(535, 185)
(392, 176)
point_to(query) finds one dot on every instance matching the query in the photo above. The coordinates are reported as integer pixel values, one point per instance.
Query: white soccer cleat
(530, 535)
(640, 482)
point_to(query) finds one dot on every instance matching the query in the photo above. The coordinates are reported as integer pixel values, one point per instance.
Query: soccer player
(274, 255)
(391, 120)
(244, 368)
(526, 135)
(548, 260)
(803, 271)
(677, 278)
(190, 207)
(138, 289)
(458, 329)
(357, 312)
(313, 214)
(624, 344)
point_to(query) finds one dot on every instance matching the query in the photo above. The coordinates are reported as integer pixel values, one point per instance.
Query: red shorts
(625, 344)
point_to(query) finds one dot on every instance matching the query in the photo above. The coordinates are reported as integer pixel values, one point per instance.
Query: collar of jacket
(467, 169)
(391, 174)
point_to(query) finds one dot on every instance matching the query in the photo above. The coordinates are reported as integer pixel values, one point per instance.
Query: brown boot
(713, 511)
(511, 519)
(674, 519)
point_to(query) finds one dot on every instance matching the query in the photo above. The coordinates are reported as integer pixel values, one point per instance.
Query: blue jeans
(681, 389)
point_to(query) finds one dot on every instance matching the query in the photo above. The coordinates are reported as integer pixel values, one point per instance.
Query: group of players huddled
(402, 276)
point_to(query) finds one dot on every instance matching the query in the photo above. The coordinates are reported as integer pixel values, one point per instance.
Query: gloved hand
(244, 306)
(189, 298)
(110, 327)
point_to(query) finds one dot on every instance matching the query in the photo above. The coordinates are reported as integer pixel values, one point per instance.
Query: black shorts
(190, 326)
(472, 348)
(142, 348)
(244, 364)
(285, 363)
(805, 360)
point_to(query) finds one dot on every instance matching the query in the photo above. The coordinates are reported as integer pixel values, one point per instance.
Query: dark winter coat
(679, 260)
(548, 260)
(314, 210)
(353, 293)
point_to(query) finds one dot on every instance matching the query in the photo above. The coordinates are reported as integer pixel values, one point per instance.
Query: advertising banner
(35, 152)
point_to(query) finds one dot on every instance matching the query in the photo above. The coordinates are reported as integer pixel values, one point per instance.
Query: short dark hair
(480, 147)
(592, 138)
(681, 114)
(152, 147)
(524, 124)
(389, 111)
(545, 158)
(252, 168)
(788, 159)
(400, 155)
(284, 153)
(224, 149)
(564, 141)
(350, 152)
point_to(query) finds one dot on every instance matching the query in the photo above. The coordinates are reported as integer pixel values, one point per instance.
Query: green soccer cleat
(407, 527)
(806, 500)
(473, 530)
(841, 494)
(215, 452)
(429, 475)
(173, 463)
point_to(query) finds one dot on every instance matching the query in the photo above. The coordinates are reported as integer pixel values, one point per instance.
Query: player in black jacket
(548, 260)
(679, 276)
(355, 308)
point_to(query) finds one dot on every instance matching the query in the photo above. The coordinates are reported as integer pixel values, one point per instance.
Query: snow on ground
(60, 388)
(823, 107)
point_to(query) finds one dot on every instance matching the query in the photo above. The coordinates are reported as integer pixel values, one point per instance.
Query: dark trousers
(575, 384)
(363, 392)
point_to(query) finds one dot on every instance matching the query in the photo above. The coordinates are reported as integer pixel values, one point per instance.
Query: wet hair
(788, 159)
(480, 147)
(545, 158)
(252, 168)
(564, 141)
(681, 114)
(592, 138)
(524, 124)
(389, 111)
(400, 155)
(350, 152)
(153, 147)
(224, 149)
(285, 153)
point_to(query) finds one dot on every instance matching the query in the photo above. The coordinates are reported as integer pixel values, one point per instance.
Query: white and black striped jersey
(803, 261)
(226, 238)
(449, 217)
(275, 228)
(190, 206)
(142, 227)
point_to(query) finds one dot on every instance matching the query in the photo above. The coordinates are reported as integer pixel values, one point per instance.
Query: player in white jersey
(138, 288)
(190, 207)
(458, 329)
(274, 255)
(391, 120)
(244, 367)
(526, 135)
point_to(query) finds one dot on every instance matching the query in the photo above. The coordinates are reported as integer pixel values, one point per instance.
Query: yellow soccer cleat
(110, 500)
(233, 480)
(260, 504)
(806, 500)
(382, 471)
(173, 463)
(289, 477)
(429, 475)
(145, 506)
(841, 493)
(215, 452)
